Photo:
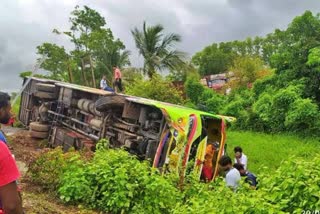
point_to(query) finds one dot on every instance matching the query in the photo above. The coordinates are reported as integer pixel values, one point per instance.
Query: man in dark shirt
(251, 179)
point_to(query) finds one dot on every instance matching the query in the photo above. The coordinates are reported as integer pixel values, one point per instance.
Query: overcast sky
(24, 24)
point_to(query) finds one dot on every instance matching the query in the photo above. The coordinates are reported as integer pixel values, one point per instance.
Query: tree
(130, 75)
(157, 49)
(181, 74)
(212, 60)
(57, 61)
(247, 70)
(107, 52)
(95, 51)
(293, 59)
(193, 89)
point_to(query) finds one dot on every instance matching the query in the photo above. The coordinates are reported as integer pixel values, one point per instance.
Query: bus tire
(45, 87)
(110, 102)
(45, 95)
(36, 126)
(39, 135)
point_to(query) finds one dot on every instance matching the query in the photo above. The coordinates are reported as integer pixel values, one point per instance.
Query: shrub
(263, 107)
(115, 181)
(294, 186)
(303, 117)
(157, 89)
(74, 184)
(46, 170)
(193, 89)
(234, 108)
(210, 101)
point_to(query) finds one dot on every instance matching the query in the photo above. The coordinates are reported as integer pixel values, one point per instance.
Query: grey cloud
(26, 24)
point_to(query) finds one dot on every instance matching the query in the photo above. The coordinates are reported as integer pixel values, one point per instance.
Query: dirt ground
(35, 200)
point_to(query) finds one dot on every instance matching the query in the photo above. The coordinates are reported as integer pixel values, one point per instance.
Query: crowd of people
(116, 83)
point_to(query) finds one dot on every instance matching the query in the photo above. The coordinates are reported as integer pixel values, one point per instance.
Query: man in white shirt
(103, 82)
(240, 158)
(232, 175)
(104, 85)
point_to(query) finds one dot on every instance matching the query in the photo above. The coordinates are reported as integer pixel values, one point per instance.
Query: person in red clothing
(9, 196)
(117, 78)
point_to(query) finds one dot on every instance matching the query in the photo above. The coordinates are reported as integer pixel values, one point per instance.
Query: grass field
(269, 150)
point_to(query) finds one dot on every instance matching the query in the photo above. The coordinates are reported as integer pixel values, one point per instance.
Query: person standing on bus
(117, 79)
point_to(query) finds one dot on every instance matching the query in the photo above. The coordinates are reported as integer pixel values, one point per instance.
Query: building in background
(218, 82)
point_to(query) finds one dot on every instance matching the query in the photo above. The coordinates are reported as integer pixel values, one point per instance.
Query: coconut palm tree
(157, 49)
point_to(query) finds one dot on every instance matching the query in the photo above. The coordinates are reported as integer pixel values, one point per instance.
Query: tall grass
(270, 150)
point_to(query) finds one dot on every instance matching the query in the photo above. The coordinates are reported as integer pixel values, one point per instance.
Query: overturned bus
(173, 138)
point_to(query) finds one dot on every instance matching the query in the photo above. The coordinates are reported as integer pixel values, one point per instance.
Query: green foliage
(237, 102)
(29, 73)
(303, 117)
(294, 186)
(210, 101)
(46, 170)
(25, 74)
(158, 49)
(246, 70)
(182, 73)
(193, 89)
(74, 185)
(113, 181)
(157, 88)
(116, 182)
(95, 51)
(293, 55)
(263, 107)
(212, 60)
(314, 57)
(130, 75)
(56, 62)
(219, 199)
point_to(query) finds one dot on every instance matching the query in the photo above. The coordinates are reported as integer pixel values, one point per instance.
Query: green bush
(295, 185)
(46, 170)
(233, 108)
(210, 101)
(263, 108)
(193, 89)
(156, 88)
(115, 181)
(216, 198)
(74, 185)
(303, 117)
